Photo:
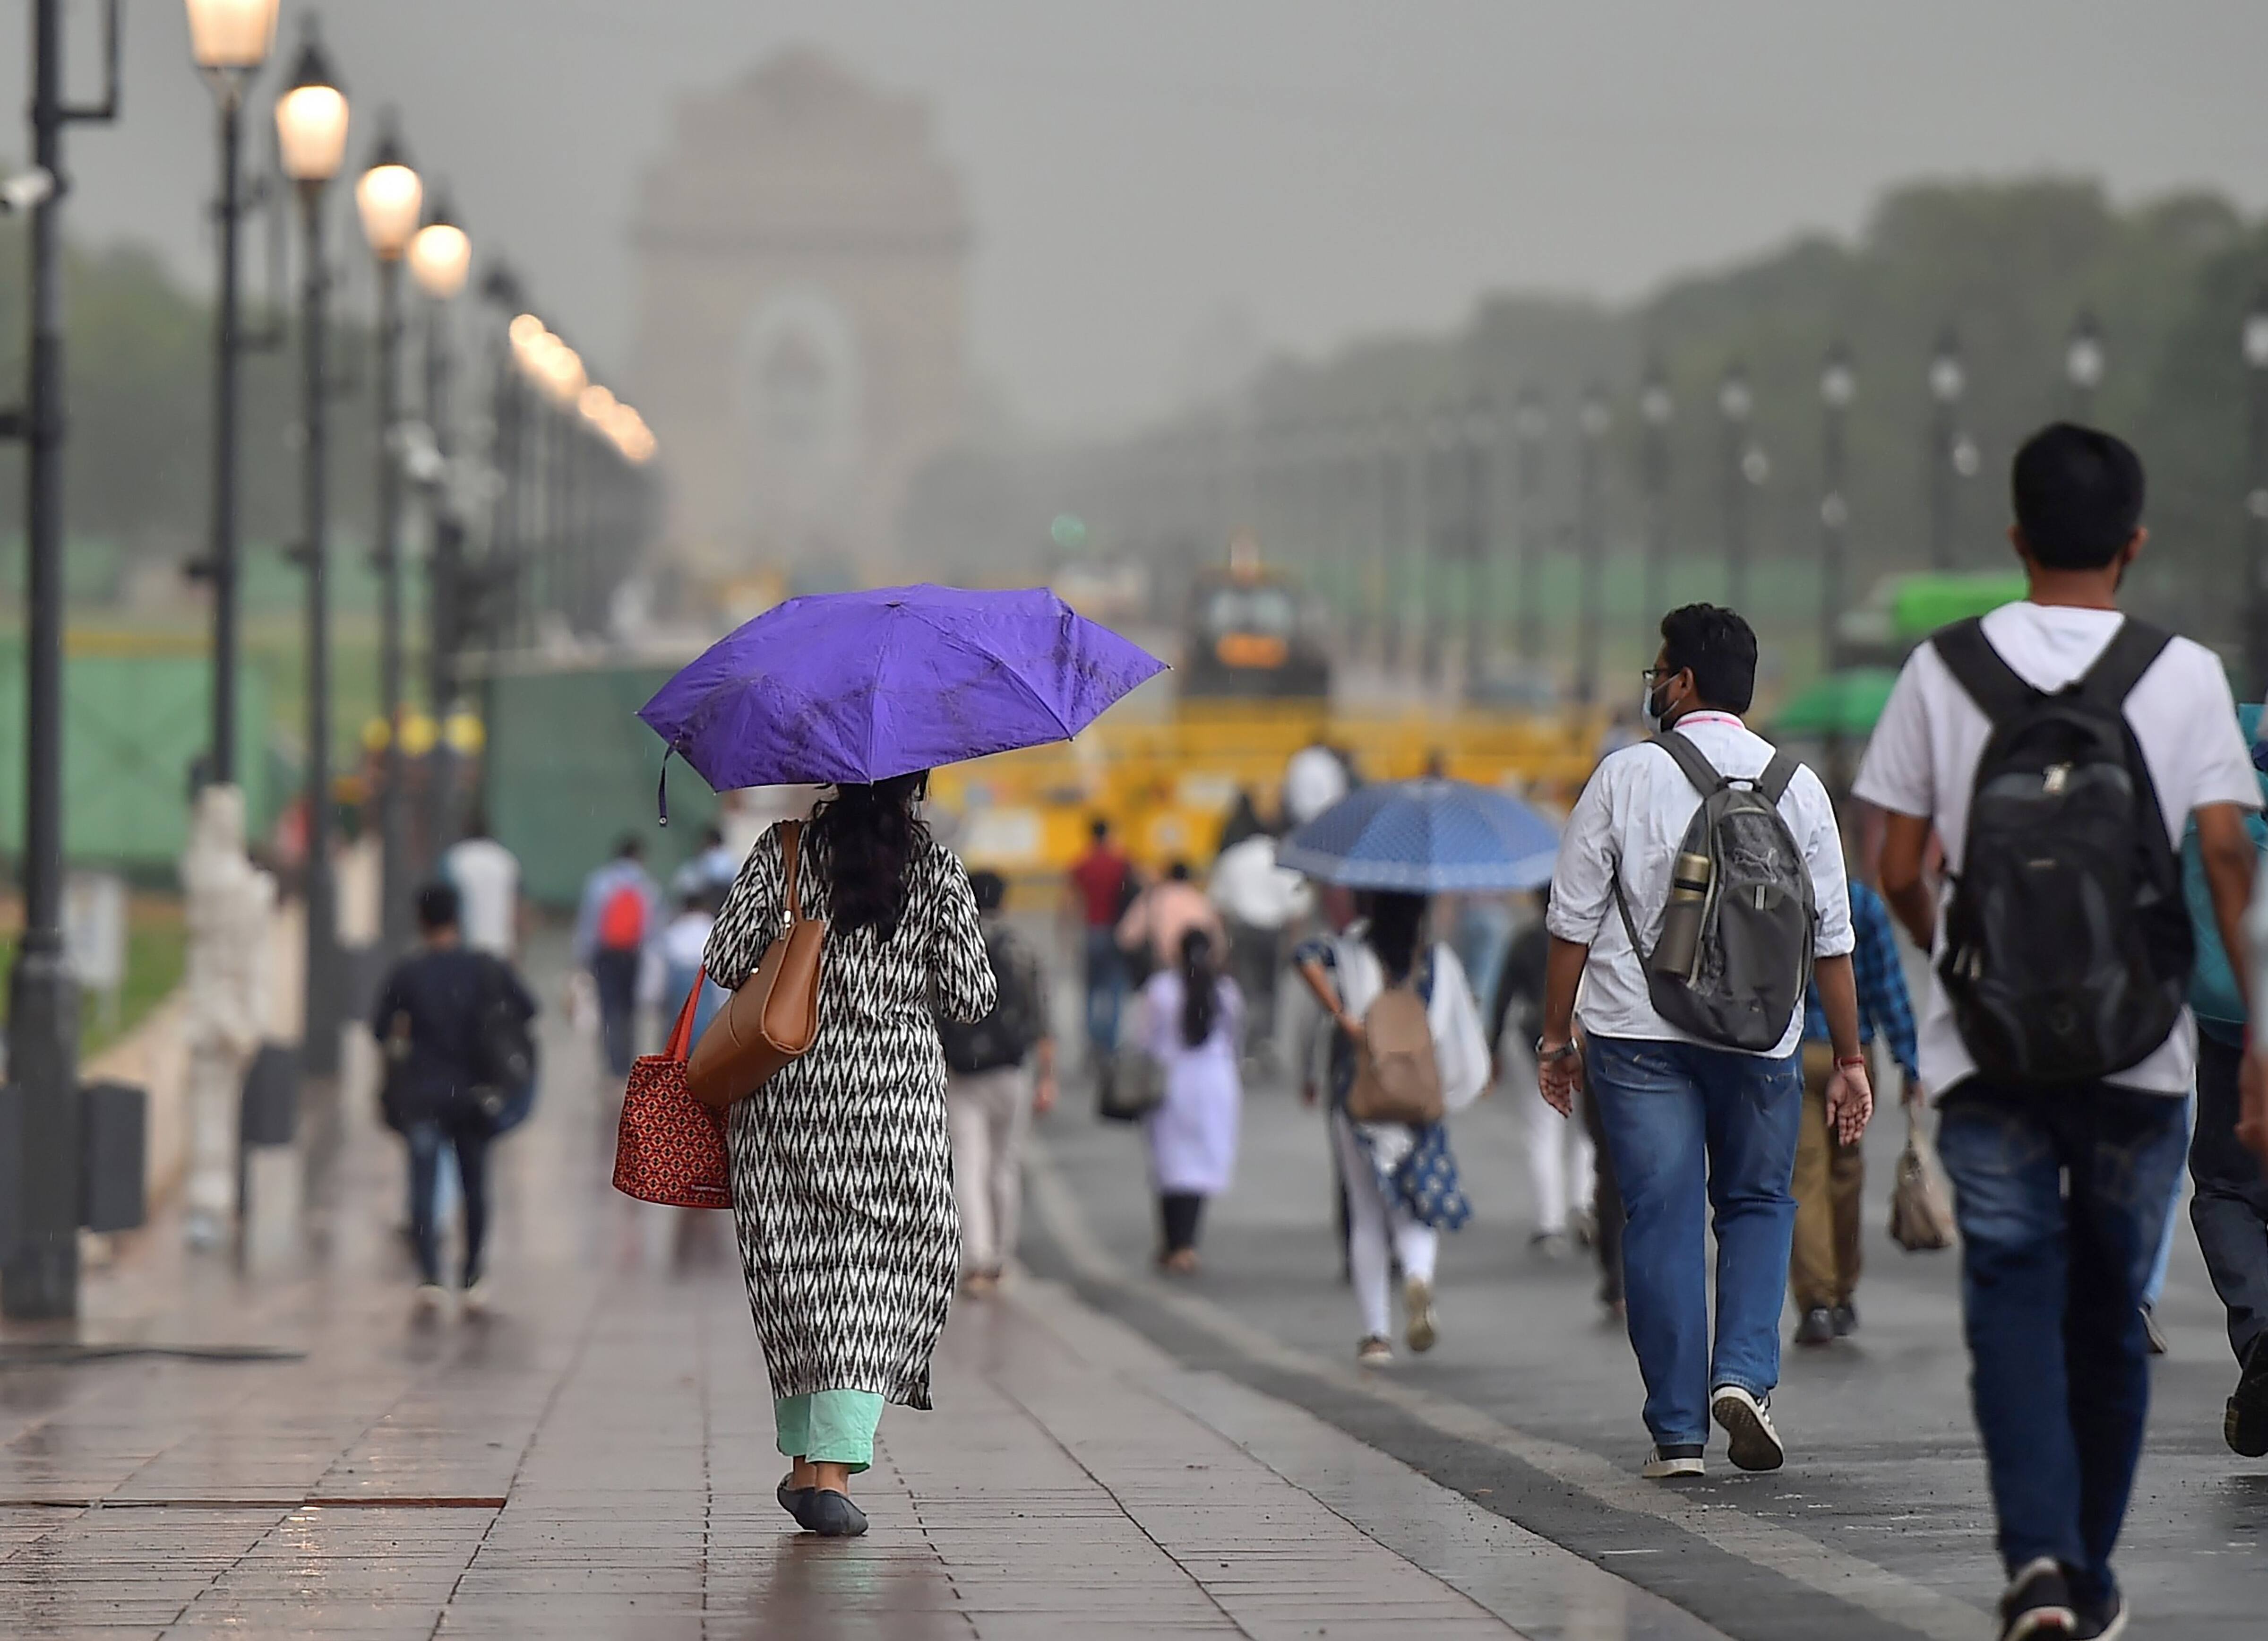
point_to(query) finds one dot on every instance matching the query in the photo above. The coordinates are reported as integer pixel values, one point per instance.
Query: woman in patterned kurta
(842, 1171)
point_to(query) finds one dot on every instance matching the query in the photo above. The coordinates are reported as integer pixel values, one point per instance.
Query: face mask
(1648, 709)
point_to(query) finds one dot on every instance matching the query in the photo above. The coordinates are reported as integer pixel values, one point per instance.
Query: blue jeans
(2230, 1208)
(465, 1133)
(1106, 990)
(2061, 1195)
(2153, 1286)
(1689, 1127)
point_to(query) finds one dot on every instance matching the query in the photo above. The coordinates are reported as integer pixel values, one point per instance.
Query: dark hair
(438, 907)
(1098, 829)
(628, 847)
(990, 890)
(713, 838)
(1200, 988)
(1392, 933)
(2078, 496)
(1179, 871)
(868, 835)
(1719, 647)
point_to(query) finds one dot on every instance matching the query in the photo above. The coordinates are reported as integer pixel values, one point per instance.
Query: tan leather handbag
(774, 1016)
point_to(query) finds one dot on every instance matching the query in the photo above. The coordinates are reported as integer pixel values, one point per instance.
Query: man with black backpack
(989, 1097)
(1699, 890)
(2057, 750)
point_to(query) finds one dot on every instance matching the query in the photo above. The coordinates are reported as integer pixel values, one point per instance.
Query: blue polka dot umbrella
(1425, 837)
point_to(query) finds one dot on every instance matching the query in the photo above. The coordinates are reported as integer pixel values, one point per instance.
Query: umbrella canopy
(862, 686)
(1842, 703)
(1425, 837)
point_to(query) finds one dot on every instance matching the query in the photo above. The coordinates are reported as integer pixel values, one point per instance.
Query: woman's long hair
(868, 835)
(1392, 935)
(1200, 988)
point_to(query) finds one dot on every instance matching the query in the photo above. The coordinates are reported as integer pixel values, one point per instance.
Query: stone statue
(232, 905)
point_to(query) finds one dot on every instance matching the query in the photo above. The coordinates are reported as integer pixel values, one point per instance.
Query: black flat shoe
(792, 1499)
(831, 1515)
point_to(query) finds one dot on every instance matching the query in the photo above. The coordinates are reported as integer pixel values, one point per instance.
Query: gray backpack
(1752, 961)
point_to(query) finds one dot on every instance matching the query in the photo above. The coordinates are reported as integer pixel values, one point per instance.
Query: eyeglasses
(1652, 675)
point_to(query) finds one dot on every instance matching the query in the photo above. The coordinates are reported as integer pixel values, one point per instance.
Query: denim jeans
(1106, 990)
(615, 974)
(1690, 1130)
(465, 1133)
(2061, 1195)
(2230, 1208)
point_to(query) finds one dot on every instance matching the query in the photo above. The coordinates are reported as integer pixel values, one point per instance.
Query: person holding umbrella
(1406, 1048)
(840, 1164)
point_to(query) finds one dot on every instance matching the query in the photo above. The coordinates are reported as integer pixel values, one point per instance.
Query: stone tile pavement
(595, 1459)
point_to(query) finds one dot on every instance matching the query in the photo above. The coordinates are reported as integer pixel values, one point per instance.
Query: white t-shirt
(1313, 779)
(1630, 821)
(1923, 761)
(487, 877)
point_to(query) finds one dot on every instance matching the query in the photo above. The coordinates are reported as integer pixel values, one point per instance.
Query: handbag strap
(790, 865)
(681, 1036)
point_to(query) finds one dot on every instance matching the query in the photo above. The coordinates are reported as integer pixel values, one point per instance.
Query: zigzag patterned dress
(842, 1173)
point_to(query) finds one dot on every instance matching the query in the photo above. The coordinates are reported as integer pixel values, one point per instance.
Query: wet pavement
(1879, 1526)
(287, 1453)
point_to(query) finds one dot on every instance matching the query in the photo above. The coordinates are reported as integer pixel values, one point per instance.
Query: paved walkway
(595, 1459)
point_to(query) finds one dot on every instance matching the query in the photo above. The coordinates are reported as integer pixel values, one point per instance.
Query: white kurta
(1193, 1131)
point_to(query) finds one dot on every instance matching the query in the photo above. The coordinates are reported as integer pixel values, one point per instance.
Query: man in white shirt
(1259, 900)
(2062, 1188)
(1692, 1124)
(486, 879)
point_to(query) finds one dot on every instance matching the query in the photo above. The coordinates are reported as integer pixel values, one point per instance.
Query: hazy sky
(1137, 167)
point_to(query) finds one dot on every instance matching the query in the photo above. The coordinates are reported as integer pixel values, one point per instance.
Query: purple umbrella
(862, 686)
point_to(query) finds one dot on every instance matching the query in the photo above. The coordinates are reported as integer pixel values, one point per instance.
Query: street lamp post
(1838, 386)
(1734, 404)
(1947, 381)
(1655, 410)
(440, 257)
(229, 39)
(388, 195)
(1592, 419)
(311, 128)
(2083, 362)
(2256, 494)
(1530, 423)
(40, 1277)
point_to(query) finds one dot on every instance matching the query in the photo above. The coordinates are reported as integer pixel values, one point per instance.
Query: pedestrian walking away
(1000, 1073)
(1151, 932)
(486, 876)
(1103, 887)
(452, 1024)
(672, 961)
(1195, 1019)
(1699, 887)
(621, 911)
(1561, 1162)
(1259, 901)
(842, 1168)
(1406, 1042)
(2057, 750)
(1830, 1175)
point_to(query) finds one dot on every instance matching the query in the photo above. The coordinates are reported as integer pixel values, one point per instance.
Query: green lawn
(157, 948)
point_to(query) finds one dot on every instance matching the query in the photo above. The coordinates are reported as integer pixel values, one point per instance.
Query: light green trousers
(829, 1426)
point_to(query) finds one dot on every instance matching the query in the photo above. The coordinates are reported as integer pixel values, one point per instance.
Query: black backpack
(503, 1049)
(2067, 943)
(1003, 1037)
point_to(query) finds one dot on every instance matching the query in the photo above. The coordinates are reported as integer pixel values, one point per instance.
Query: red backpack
(622, 919)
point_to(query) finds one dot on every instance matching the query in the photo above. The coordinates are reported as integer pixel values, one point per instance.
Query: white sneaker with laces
(1670, 1464)
(429, 1299)
(1746, 1420)
(476, 1299)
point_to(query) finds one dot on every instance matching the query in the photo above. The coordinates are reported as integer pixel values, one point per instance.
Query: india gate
(801, 251)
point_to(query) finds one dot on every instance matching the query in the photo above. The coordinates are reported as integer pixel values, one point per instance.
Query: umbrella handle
(661, 791)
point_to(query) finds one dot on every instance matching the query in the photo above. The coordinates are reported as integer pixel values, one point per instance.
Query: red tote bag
(671, 1148)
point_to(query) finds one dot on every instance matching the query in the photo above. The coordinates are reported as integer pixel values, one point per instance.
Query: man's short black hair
(437, 907)
(1179, 871)
(1098, 829)
(990, 889)
(628, 847)
(2078, 495)
(1719, 647)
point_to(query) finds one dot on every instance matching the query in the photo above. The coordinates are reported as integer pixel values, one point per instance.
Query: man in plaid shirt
(1831, 1177)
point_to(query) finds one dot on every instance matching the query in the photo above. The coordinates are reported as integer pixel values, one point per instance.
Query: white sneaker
(429, 1300)
(475, 1299)
(1755, 1445)
(1668, 1464)
(1373, 1352)
(1417, 1301)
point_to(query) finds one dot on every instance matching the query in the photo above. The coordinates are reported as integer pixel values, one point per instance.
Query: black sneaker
(2245, 1426)
(2038, 1603)
(2105, 1620)
(1817, 1327)
(1846, 1319)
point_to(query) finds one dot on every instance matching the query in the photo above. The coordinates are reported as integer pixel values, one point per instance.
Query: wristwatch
(1544, 1056)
